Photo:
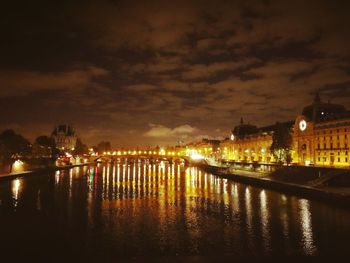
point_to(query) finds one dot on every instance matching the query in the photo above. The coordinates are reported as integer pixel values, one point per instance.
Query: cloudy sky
(156, 72)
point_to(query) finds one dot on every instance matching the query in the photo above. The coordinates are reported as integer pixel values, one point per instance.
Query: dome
(319, 111)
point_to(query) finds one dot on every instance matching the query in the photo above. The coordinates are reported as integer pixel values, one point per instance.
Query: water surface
(137, 210)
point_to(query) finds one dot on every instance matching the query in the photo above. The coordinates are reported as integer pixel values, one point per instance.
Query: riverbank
(312, 183)
(41, 170)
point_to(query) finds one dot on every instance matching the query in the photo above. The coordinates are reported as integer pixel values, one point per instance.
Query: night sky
(156, 72)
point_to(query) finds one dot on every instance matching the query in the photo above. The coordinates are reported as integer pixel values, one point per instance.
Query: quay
(41, 170)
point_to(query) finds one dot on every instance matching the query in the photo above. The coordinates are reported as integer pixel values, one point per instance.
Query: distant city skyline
(156, 72)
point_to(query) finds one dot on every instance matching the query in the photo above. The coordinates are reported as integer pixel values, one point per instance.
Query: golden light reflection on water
(166, 209)
(306, 227)
(264, 213)
(16, 190)
(163, 196)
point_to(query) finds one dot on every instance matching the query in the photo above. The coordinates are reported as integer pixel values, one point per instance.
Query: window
(331, 145)
(345, 145)
(346, 136)
(338, 145)
(338, 160)
(318, 146)
(324, 146)
(319, 159)
(346, 159)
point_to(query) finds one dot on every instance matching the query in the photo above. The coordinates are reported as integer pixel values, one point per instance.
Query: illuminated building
(206, 148)
(65, 137)
(320, 137)
(248, 143)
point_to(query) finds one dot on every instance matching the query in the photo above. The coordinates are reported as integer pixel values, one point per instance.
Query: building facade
(320, 137)
(65, 137)
(249, 143)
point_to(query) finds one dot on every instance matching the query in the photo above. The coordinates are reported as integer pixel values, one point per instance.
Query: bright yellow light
(17, 166)
(197, 156)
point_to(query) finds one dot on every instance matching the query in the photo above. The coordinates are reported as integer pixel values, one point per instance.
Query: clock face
(232, 137)
(302, 125)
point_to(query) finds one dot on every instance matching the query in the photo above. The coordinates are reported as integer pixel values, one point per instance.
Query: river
(164, 211)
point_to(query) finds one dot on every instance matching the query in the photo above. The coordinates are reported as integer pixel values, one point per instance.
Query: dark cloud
(131, 71)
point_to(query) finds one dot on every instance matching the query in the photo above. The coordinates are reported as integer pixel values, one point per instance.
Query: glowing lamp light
(232, 137)
(17, 165)
(197, 157)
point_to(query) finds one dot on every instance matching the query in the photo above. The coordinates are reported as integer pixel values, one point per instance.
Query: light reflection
(264, 213)
(169, 191)
(248, 206)
(57, 177)
(16, 190)
(306, 227)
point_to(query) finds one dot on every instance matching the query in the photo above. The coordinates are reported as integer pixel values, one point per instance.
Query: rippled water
(141, 210)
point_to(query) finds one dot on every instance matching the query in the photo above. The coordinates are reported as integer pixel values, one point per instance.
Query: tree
(104, 146)
(44, 146)
(45, 141)
(281, 143)
(12, 145)
(80, 148)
